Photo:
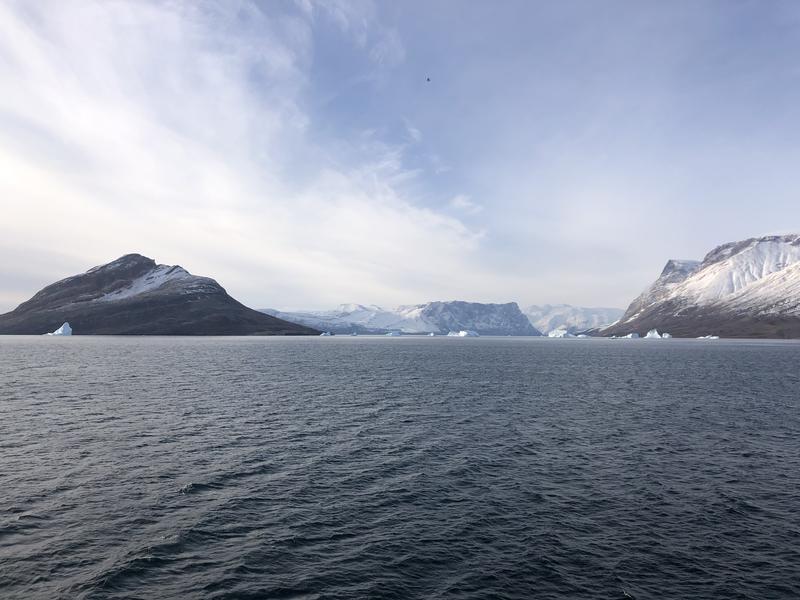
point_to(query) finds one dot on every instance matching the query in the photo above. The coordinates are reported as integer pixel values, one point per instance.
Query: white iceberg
(65, 329)
(708, 337)
(631, 336)
(394, 334)
(325, 334)
(560, 333)
(653, 335)
(666, 336)
(431, 334)
(463, 333)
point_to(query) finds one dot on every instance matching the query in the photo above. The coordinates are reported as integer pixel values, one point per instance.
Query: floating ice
(666, 336)
(325, 334)
(631, 336)
(394, 334)
(560, 333)
(653, 335)
(708, 337)
(65, 329)
(431, 334)
(464, 333)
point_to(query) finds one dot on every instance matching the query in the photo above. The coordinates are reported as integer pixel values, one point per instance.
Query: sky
(315, 152)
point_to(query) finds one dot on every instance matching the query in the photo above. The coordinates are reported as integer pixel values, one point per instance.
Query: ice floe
(560, 333)
(65, 329)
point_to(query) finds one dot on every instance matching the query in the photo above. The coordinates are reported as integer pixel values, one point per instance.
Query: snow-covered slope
(573, 319)
(432, 317)
(749, 288)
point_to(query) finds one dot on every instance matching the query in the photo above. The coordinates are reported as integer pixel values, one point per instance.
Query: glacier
(575, 319)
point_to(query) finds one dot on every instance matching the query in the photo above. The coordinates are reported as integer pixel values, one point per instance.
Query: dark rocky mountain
(134, 296)
(749, 288)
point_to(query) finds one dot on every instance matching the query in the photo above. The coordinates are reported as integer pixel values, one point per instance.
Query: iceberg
(431, 334)
(65, 329)
(653, 335)
(666, 336)
(325, 334)
(631, 336)
(394, 334)
(463, 333)
(708, 337)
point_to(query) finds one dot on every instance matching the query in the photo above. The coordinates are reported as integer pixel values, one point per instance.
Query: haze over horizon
(311, 153)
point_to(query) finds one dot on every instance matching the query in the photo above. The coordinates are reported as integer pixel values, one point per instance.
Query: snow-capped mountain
(749, 288)
(134, 295)
(572, 319)
(432, 317)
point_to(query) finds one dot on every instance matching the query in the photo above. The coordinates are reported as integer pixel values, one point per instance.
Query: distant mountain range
(134, 296)
(572, 319)
(432, 317)
(749, 288)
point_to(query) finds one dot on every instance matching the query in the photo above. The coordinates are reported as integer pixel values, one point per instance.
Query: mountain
(134, 296)
(573, 319)
(749, 288)
(432, 317)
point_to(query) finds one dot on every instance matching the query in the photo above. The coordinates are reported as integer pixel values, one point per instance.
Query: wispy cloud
(414, 134)
(464, 203)
(178, 130)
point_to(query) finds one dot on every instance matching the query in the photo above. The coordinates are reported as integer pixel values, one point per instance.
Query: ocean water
(398, 468)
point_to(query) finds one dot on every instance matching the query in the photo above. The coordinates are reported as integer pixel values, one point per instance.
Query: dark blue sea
(322, 468)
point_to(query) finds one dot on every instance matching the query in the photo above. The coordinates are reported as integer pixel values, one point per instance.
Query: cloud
(414, 134)
(464, 203)
(388, 51)
(358, 19)
(179, 130)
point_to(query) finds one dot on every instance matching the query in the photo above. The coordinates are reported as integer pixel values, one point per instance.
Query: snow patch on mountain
(153, 280)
